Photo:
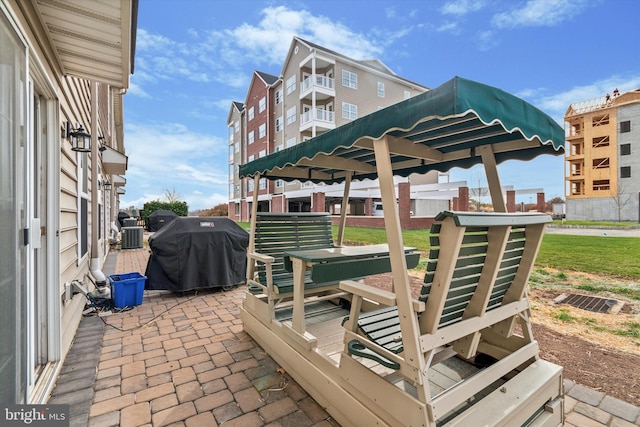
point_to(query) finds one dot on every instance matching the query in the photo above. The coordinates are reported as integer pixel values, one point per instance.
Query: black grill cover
(121, 217)
(159, 219)
(196, 253)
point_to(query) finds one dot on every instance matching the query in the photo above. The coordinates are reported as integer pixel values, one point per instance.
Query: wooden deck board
(324, 321)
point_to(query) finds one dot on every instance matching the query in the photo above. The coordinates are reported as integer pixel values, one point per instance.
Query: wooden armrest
(379, 295)
(267, 259)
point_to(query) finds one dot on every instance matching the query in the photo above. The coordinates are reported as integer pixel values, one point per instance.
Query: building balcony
(321, 119)
(575, 177)
(323, 86)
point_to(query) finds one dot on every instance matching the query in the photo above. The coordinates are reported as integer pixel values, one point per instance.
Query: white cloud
(486, 40)
(449, 27)
(199, 200)
(540, 13)
(170, 156)
(136, 90)
(462, 7)
(217, 56)
(271, 37)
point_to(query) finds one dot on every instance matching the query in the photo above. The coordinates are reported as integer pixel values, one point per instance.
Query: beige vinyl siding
(75, 107)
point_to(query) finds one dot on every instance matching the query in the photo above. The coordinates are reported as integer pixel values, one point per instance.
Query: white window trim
(351, 77)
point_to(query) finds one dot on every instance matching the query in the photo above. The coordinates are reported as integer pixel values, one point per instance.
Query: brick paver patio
(184, 360)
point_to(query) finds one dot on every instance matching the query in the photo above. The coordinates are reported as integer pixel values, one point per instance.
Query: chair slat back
(276, 233)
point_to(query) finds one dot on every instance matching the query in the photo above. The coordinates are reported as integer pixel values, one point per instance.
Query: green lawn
(615, 256)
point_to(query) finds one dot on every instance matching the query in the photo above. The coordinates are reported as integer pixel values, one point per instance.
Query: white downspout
(95, 265)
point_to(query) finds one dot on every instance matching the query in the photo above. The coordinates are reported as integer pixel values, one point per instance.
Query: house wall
(235, 132)
(629, 188)
(62, 99)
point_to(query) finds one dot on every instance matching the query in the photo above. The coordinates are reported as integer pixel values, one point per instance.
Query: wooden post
(408, 320)
(343, 209)
(493, 180)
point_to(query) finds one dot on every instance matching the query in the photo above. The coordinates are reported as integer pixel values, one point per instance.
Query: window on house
(250, 114)
(279, 183)
(236, 148)
(349, 111)
(601, 141)
(381, 89)
(251, 157)
(262, 130)
(231, 191)
(262, 153)
(262, 104)
(601, 185)
(625, 172)
(291, 84)
(349, 79)
(236, 126)
(237, 206)
(278, 148)
(600, 120)
(278, 96)
(279, 124)
(625, 126)
(290, 142)
(291, 115)
(83, 211)
(231, 134)
(625, 149)
(251, 137)
(601, 163)
(250, 185)
(262, 183)
(407, 94)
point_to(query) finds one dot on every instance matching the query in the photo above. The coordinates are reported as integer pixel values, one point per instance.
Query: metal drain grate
(590, 303)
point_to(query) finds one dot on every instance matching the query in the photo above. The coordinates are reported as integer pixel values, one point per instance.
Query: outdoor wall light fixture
(106, 185)
(80, 139)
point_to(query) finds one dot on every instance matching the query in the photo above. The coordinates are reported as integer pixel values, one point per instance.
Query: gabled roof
(370, 64)
(268, 79)
(237, 106)
(443, 128)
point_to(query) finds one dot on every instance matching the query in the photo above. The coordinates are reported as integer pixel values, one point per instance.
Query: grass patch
(615, 256)
(596, 223)
(619, 290)
(603, 255)
(632, 330)
(564, 316)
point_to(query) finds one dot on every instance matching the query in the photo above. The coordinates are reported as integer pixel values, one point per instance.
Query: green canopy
(436, 130)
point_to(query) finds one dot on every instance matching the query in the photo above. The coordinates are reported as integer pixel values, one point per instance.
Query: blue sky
(194, 57)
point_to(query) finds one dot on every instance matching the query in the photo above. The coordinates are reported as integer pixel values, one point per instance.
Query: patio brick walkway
(184, 360)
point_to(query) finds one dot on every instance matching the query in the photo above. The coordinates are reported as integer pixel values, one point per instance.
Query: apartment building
(602, 160)
(317, 90)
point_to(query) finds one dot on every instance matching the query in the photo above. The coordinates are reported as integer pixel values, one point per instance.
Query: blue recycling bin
(127, 289)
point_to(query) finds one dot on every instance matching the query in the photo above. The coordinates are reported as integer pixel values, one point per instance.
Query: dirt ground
(588, 353)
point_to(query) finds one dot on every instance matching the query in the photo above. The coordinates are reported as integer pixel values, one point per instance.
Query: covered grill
(159, 219)
(195, 253)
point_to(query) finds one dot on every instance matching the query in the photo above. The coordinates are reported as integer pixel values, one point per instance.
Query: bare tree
(172, 195)
(620, 199)
(477, 194)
